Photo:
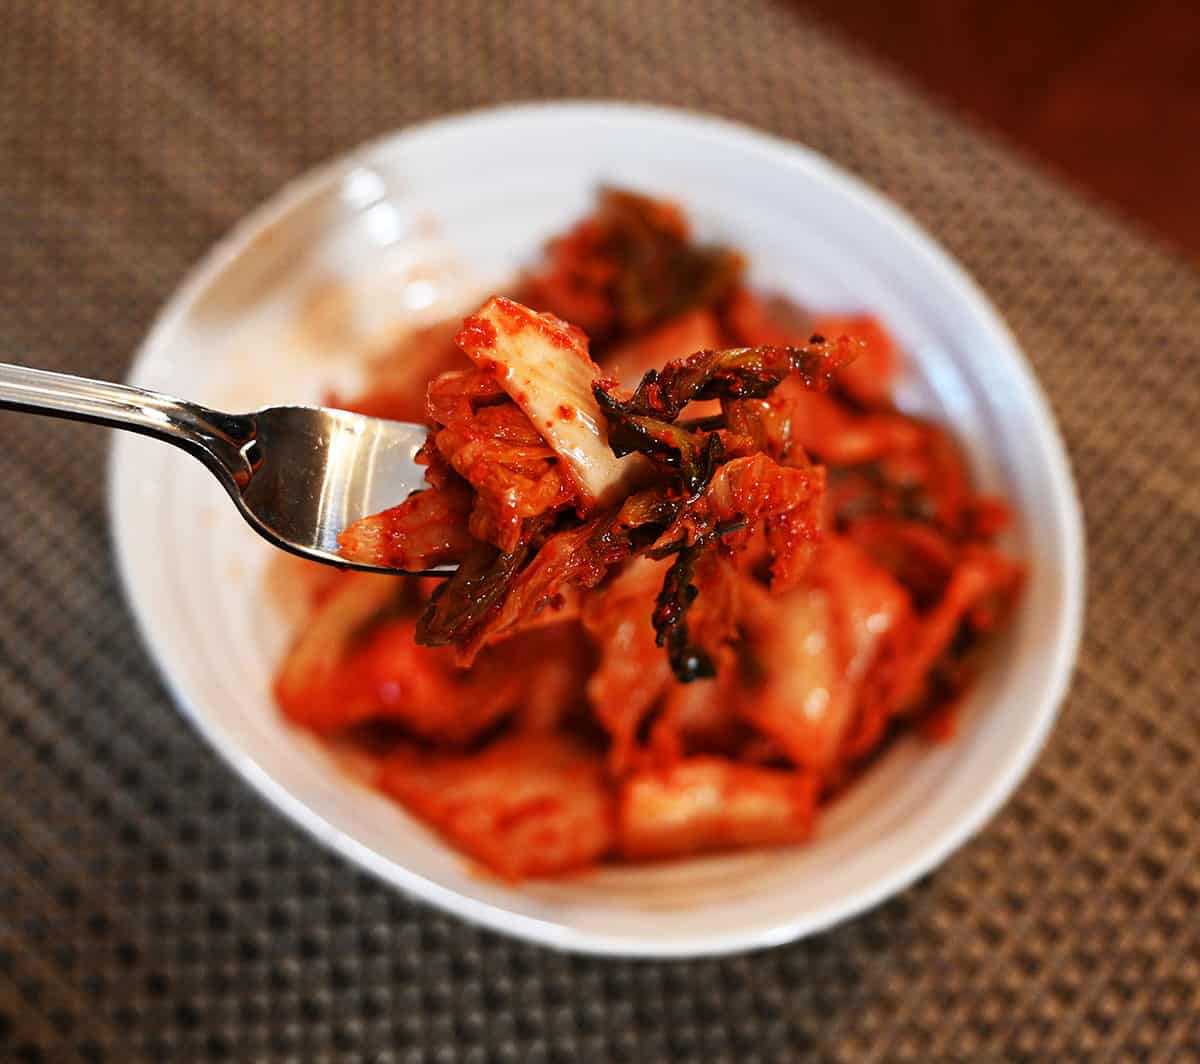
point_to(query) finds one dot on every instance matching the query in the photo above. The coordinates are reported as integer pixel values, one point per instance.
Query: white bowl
(417, 225)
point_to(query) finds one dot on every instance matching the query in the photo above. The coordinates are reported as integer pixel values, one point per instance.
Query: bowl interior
(420, 225)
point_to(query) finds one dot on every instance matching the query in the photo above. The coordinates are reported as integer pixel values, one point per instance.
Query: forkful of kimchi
(543, 475)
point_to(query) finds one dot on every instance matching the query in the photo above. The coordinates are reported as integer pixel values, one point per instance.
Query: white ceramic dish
(415, 226)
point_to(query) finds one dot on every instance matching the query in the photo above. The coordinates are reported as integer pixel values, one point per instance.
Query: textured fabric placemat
(152, 908)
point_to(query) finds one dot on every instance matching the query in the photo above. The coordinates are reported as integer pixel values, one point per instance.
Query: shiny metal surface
(298, 474)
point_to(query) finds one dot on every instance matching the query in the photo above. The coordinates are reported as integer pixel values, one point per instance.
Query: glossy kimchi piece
(978, 597)
(916, 553)
(832, 432)
(700, 717)
(357, 661)
(870, 377)
(632, 673)
(529, 805)
(800, 700)
(515, 475)
(308, 686)
(542, 363)
(814, 647)
(388, 677)
(869, 605)
(876, 627)
(785, 498)
(709, 803)
(428, 529)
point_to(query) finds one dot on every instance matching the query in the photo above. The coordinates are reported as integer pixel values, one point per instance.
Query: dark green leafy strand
(733, 373)
(676, 598)
(464, 601)
(661, 442)
(645, 515)
(645, 422)
(691, 456)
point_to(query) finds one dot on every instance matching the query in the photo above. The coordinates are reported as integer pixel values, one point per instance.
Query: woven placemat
(154, 909)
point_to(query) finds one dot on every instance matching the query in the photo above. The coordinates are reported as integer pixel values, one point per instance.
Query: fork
(299, 475)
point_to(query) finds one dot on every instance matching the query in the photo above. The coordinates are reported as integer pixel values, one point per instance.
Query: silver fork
(297, 474)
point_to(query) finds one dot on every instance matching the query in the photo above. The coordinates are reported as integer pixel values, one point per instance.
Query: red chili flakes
(476, 333)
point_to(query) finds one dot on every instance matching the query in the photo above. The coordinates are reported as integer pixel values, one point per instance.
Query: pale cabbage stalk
(544, 366)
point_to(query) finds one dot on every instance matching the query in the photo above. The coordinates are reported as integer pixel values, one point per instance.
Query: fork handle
(217, 439)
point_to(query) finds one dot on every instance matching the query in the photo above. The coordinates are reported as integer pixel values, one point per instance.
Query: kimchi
(706, 570)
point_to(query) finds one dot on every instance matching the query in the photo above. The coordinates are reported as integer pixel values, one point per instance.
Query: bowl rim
(915, 241)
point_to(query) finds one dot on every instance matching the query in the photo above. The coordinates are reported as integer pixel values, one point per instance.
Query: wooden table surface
(1105, 93)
